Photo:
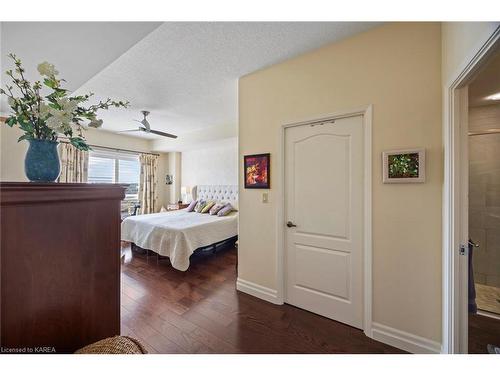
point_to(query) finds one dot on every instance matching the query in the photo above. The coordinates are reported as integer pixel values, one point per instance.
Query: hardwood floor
(483, 331)
(200, 311)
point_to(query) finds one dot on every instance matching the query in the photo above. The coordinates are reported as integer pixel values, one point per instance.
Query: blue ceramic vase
(42, 161)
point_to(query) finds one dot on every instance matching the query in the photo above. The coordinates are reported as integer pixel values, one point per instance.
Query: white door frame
(366, 112)
(455, 199)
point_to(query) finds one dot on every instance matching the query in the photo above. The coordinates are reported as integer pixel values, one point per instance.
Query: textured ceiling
(78, 49)
(486, 83)
(185, 73)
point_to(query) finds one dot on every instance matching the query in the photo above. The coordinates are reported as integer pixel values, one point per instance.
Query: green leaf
(22, 119)
(27, 127)
(11, 121)
(50, 83)
(79, 143)
(25, 137)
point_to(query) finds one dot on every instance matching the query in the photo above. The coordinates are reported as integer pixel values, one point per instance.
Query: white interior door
(324, 199)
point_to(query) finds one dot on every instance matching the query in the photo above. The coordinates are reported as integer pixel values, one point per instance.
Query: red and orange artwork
(257, 171)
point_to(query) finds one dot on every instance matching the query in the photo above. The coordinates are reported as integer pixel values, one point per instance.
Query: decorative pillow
(191, 206)
(199, 206)
(207, 207)
(225, 210)
(216, 208)
(163, 209)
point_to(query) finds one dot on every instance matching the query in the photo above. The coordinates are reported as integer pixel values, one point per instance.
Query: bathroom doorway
(484, 208)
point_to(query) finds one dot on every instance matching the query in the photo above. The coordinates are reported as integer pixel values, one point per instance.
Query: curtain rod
(118, 149)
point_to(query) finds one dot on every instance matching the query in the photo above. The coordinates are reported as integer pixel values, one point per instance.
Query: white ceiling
(78, 49)
(186, 73)
(486, 83)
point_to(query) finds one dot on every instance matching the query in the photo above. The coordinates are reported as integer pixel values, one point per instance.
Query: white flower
(47, 69)
(44, 110)
(64, 127)
(59, 120)
(68, 106)
(54, 123)
(62, 101)
(95, 123)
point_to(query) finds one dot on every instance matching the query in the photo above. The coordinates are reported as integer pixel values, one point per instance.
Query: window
(115, 167)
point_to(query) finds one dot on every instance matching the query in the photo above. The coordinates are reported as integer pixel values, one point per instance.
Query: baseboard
(259, 291)
(390, 336)
(404, 340)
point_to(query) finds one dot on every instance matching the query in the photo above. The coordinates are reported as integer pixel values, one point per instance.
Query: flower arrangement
(50, 115)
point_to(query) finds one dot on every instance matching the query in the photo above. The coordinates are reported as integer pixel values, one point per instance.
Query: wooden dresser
(60, 265)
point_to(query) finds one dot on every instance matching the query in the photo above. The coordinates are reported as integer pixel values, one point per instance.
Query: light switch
(265, 198)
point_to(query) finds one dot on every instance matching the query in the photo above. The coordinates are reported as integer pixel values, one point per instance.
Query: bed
(178, 234)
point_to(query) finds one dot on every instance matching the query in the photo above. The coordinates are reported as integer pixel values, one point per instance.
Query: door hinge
(463, 250)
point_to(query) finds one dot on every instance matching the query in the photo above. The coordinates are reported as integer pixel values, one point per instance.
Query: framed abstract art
(257, 169)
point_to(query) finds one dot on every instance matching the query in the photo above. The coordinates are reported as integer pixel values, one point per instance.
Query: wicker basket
(114, 345)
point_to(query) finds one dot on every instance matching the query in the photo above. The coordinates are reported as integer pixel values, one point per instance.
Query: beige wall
(12, 154)
(215, 163)
(174, 168)
(397, 68)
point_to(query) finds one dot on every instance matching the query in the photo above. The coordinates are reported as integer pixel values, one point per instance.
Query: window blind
(107, 166)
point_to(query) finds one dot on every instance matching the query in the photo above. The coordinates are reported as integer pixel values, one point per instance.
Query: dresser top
(34, 192)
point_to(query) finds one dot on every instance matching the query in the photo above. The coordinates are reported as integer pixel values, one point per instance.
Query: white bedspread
(177, 234)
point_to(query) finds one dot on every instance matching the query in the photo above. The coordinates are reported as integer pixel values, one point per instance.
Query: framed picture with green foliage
(404, 166)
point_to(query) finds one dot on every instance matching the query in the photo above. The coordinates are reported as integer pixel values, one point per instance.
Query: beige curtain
(147, 184)
(74, 164)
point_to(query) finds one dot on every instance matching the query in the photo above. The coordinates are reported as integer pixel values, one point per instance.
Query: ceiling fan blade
(145, 123)
(162, 134)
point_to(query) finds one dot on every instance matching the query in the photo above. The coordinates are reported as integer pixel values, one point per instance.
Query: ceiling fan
(146, 128)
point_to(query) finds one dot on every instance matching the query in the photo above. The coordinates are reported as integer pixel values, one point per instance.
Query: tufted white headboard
(219, 193)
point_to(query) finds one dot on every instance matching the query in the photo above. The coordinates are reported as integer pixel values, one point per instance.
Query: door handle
(472, 243)
(289, 224)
